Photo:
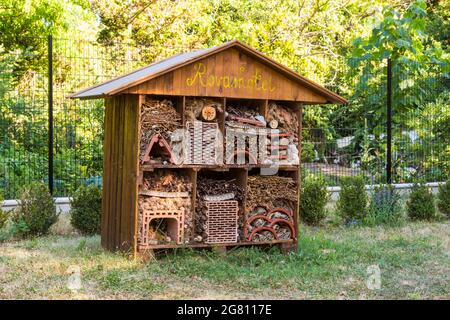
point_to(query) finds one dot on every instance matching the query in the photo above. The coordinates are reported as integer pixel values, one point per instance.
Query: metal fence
(47, 137)
(394, 129)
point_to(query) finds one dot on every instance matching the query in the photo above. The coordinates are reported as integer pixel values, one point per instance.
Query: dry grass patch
(331, 263)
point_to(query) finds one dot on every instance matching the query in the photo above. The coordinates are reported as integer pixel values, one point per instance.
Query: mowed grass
(331, 263)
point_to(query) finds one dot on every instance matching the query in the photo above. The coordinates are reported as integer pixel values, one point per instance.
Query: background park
(375, 185)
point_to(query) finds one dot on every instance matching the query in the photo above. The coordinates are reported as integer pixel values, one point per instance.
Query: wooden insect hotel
(203, 149)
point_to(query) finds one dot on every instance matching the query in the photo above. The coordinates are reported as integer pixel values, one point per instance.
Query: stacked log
(201, 109)
(284, 148)
(286, 118)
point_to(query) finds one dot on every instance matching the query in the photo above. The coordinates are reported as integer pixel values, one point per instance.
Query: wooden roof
(233, 70)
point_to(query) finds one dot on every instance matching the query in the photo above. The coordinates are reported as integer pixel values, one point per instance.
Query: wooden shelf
(207, 245)
(151, 167)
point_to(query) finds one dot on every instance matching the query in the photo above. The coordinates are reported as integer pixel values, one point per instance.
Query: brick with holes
(221, 221)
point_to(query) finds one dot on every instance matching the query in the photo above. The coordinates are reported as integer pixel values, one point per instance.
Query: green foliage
(314, 197)
(36, 211)
(430, 123)
(420, 204)
(3, 215)
(33, 21)
(3, 218)
(307, 151)
(352, 201)
(311, 37)
(385, 207)
(419, 64)
(86, 206)
(444, 198)
(12, 230)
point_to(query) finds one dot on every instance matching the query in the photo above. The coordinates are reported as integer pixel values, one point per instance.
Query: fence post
(389, 123)
(50, 112)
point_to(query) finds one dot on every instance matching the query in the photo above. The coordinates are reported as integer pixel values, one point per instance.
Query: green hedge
(86, 206)
(313, 199)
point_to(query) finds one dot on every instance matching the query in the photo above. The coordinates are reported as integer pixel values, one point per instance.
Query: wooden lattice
(221, 221)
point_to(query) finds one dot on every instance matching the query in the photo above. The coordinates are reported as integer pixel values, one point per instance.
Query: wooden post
(299, 175)
(141, 100)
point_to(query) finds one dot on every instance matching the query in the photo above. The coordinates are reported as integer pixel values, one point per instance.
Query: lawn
(331, 262)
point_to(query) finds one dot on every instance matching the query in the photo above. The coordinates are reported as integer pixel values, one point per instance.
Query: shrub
(352, 201)
(86, 208)
(385, 207)
(3, 218)
(3, 215)
(308, 154)
(444, 198)
(313, 200)
(36, 211)
(420, 204)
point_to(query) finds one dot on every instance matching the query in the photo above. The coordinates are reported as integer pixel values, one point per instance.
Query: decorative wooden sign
(243, 81)
(229, 73)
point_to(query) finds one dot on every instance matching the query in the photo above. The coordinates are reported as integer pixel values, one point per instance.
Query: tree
(419, 62)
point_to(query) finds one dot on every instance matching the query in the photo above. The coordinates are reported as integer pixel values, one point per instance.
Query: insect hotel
(203, 150)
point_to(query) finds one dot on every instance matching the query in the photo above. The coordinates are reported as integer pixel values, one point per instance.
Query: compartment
(244, 125)
(165, 207)
(204, 120)
(282, 141)
(271, 207)
(225, 191)
(160, 141)
(204, 109)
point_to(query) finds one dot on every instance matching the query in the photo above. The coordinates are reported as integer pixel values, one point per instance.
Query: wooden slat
(205, 245)
(193, 176)
(121, 145)
(125, 194)
(299, 172)
(132, 176)
(136, 151)
(112, 174)
(106, 172)
(120, 156)
(230, 63)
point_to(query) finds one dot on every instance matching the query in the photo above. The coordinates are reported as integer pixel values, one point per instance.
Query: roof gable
(232, 69)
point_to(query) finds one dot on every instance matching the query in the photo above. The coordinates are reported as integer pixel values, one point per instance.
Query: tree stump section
(209, 113)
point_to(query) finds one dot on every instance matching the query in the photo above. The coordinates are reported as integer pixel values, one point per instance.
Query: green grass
(330, 263)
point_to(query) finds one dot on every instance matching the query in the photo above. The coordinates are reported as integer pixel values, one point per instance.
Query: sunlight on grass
(330, 263)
